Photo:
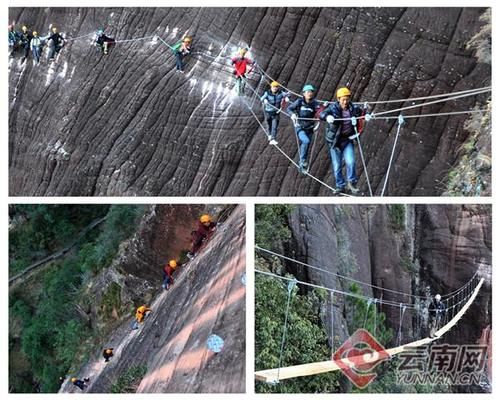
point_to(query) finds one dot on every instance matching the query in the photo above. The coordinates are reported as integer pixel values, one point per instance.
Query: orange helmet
(205, 219)
(172, 263)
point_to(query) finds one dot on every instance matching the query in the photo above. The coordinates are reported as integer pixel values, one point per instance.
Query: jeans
(273, 120)
(166, 282)
(305, 137)
(240, 85)
(37, 52)
(53, 51)
(344, 152)
(26, 48)
(178, 61)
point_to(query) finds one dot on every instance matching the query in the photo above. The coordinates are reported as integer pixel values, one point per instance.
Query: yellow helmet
(187, 39)
(24, 28)
(342, 92)
(73, 380)
(35, 33)
(109, 351)
(275, 84)
(205, 218)
(172, 263)
(242, 50)
(54, 29)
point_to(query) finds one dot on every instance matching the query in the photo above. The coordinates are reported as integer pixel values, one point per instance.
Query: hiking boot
(352, 187)
(190, 255)
(339, 190)
(273, 142)
(269, 137)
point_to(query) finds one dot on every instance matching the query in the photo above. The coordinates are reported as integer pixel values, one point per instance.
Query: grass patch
(129, 381)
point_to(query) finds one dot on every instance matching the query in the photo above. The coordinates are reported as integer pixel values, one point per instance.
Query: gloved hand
(325, 104)
(266, 101)
(295, 118)
(330, 119)
(287, 99)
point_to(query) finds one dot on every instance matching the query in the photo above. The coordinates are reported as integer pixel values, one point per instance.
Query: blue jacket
(333, 133)
(305, 110)
(13, 38)
(274, 100)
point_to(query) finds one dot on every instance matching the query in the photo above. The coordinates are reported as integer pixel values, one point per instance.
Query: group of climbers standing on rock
(29, 41)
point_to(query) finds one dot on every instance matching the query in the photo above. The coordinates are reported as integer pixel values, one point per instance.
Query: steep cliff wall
(128, 124)
(208, 297)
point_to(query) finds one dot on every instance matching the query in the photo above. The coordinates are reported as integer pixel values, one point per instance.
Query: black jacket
(333, 135)
(305, 110)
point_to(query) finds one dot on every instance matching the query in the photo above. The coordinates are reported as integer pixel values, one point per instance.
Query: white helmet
(437, 297)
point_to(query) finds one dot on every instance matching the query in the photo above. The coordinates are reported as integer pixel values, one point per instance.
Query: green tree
(271, 223)
(306, 338)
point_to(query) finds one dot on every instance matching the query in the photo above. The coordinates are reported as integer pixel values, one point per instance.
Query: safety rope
(354, 122)
(347, 278)
(332, 322)
(368, 304)
(78, 37)
(402, 310)
(400, 123)
(291, 285)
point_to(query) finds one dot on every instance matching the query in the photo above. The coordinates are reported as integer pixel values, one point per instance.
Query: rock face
(208, 297)
(129, 124)
(433, 249)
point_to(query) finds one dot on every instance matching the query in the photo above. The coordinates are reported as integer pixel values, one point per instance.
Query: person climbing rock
(436, 314)
(55, 42)
(107, 354)
(181, 50)
(102, 41)
(168, 270)
(339, 138)
(241, 63)
(303, 111)
(14, 39)
(25, 40)
(205, 228)
(36, 47)
(272, 100)
(140, 314)
(81, 383)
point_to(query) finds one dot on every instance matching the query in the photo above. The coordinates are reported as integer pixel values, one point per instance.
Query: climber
(140, 314)
(36, 47)
(205, 229)
(272, 100)
(181, 50)
(102, 41)
(436, 313)
(14, 38)
(240, 63)
(25, 40)
(107, 354)
(55, 42)
(168, 270)
(81, 383)
(339, 138)
(303, 111)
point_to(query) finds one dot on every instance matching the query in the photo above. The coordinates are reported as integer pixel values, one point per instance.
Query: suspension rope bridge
(443, 97)
(469, 292)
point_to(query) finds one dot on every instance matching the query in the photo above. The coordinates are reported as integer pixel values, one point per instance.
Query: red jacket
(168, 271)
(240, 65)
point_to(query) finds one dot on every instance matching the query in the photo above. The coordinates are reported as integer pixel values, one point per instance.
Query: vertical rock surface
(128, 124)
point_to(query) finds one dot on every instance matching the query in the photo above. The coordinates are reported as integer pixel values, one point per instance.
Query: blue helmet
(100, 31)
(308, 87)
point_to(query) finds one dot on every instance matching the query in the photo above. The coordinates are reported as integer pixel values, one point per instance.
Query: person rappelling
(339, 137)
(168, 271)
(205, 228)
(140, 315)
(181, 50)
(273, 99)
(303, 112)
(102, 41)
(436, 313)
(80, 383)
(107, 354)
(241, 63)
